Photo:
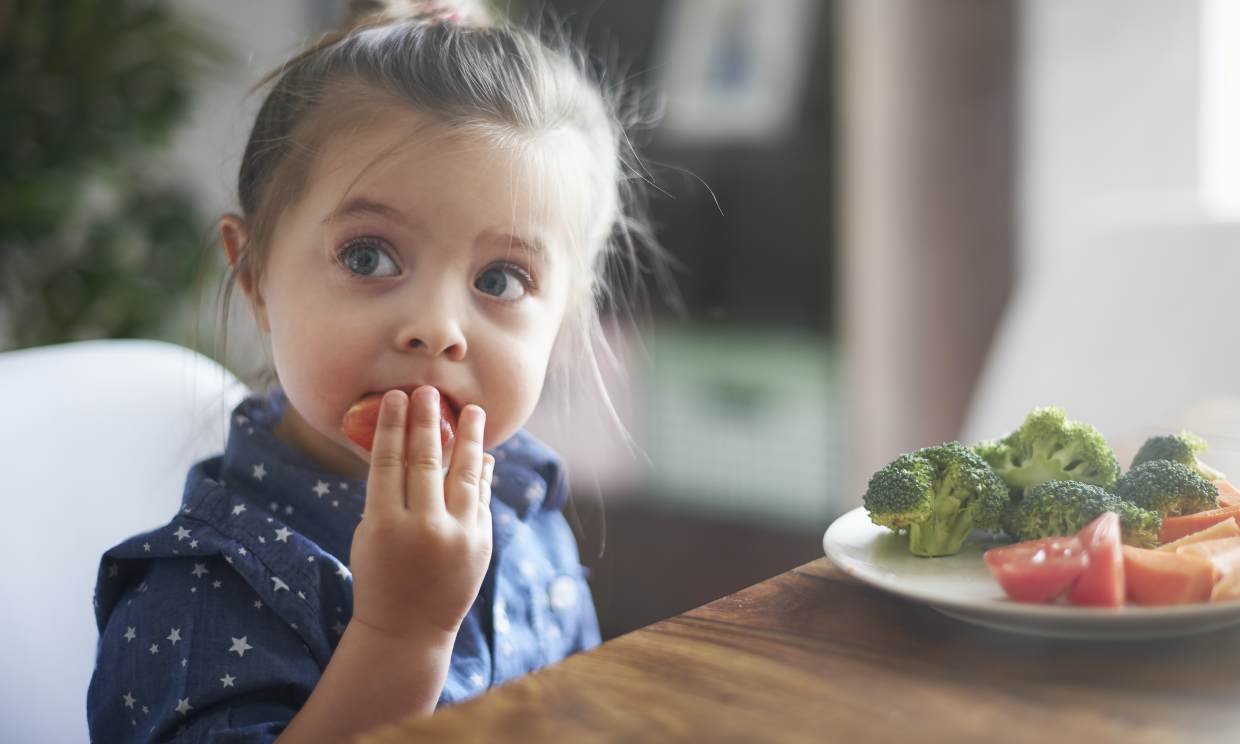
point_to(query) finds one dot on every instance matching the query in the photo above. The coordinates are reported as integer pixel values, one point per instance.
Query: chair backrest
(95, 440)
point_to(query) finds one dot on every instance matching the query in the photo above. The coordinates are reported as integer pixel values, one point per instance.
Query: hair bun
(459, 12)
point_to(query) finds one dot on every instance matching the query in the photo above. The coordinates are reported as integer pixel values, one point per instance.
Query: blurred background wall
(898, 222)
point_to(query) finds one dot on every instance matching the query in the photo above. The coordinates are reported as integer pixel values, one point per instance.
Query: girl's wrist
(420, 635)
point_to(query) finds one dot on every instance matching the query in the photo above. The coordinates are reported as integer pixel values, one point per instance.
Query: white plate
(961, 586)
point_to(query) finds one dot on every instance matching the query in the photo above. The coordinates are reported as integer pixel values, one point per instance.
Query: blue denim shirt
(216, 626)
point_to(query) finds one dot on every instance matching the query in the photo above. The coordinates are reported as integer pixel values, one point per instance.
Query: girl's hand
(424, 543)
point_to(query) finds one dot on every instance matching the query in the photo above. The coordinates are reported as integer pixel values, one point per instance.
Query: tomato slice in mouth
(362, 418)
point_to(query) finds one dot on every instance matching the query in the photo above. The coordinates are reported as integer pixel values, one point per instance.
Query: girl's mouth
(362, 418)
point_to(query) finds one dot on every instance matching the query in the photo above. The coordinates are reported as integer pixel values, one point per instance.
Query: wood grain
(812, 655)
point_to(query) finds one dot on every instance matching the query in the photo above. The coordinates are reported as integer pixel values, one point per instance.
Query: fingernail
(394, 400)
(475, 419)
(429, 395)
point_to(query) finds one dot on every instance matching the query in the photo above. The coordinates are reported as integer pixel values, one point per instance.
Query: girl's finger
(385, 485)
(465, 473)
(424, 475)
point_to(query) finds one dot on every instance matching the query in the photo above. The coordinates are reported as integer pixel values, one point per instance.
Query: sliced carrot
(1173, 528)
(1224, 555)
(1228, 495)
(1227, 528)
(1210, 548)
(1158, 578)
(1226, 589)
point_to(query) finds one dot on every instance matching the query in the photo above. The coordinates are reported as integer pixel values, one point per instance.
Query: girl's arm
(418, 560)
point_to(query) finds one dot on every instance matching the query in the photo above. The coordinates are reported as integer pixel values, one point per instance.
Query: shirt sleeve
(189, 652)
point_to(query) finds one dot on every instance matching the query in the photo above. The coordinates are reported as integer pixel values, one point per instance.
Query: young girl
(426, 200)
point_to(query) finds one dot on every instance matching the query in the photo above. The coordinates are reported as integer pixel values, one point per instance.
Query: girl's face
(442, 262)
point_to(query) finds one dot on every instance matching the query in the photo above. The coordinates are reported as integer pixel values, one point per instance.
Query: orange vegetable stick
(1224, 554)
(1227, 528)
(1228, 495)
(1173, 528)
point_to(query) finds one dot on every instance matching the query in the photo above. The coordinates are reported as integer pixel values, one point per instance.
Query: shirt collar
(323, 505)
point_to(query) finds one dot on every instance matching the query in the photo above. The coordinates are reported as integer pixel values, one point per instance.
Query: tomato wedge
(1101, 584)
(362, 418)
(1037, 570)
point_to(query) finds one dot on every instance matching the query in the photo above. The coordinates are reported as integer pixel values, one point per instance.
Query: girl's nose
(436, 336)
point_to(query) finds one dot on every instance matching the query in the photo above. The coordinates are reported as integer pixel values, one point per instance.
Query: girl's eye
(504, 282)
(367, 257)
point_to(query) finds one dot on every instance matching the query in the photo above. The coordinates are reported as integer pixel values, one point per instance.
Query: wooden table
(813, 656)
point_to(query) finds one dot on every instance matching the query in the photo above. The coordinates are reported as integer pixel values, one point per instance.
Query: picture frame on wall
(734, 71)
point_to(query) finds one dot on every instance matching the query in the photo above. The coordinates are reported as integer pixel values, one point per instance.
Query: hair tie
(439, 13)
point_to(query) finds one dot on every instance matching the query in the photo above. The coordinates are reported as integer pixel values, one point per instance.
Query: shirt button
(563, 593)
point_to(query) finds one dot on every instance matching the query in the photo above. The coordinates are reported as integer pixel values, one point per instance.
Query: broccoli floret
(937, 495)
(1049, 447)
(1167, 487)
(1058, 508)
(1181, 448)
(1140, 526)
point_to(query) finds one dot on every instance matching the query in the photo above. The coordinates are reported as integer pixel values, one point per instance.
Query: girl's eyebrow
(360, 205)
(533, 247)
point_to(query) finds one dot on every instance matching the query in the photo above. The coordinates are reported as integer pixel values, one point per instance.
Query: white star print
(279, 584)
(154, 648)
(129, 699)
(146, 547)
(184, 663)
(241, 552)
(228, 680)
(335, 502)
(321, 489)
(282, 534)
(475, 679)
(174, 635)
(258, 604)
(501, 617)
(217, 584)
(338, 627)
(183, 706)
(238, 509)
(343, 572)
(199, 570)
(181, 533)
(193, 543)
(259, 471)
(130, 634)
(240, 645)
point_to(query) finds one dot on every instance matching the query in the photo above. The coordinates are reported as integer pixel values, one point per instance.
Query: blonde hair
(455, 63)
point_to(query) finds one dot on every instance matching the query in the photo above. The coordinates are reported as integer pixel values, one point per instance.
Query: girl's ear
(235, 236)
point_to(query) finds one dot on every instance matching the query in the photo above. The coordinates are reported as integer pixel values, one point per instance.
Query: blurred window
(1220, 117)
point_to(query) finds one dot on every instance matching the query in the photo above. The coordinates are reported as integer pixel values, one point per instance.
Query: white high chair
(95, 441)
